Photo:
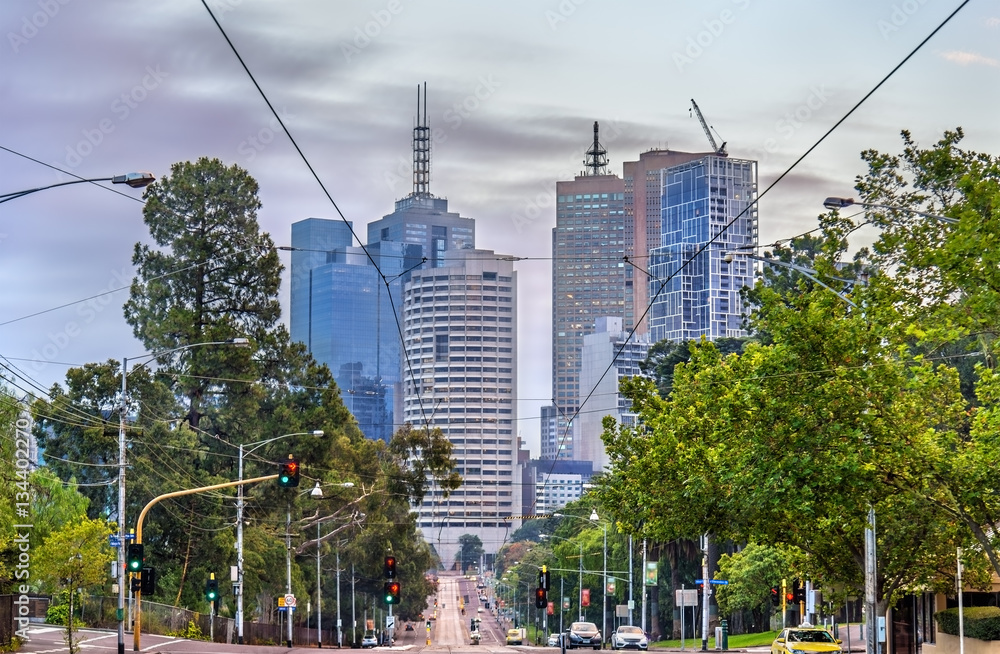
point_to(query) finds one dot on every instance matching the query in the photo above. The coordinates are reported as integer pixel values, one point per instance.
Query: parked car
(513, 636)
(805, 640)
(628, 637)
(584, 634)
(553, 640)
(369, 640)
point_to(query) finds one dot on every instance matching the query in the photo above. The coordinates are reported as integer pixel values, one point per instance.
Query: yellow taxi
(805, 640)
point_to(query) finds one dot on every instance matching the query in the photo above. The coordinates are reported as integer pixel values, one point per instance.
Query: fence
(164, 619)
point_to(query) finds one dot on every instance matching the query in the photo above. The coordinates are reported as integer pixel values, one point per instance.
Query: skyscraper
(460, 327)
(588, 275)
(708, 198)
(346, 299)
(643, 189)
(342, 309)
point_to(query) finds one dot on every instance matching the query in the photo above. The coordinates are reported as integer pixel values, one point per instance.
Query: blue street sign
(714, 582)
(113, 540)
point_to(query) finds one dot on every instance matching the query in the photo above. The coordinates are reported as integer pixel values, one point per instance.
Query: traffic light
(541, 601)
(392, 592)
(776, 595)
(288, 474)
(543, 578)
(148, 582)
(133, 557)
(800, 592)
(390, 567)
(212, 588)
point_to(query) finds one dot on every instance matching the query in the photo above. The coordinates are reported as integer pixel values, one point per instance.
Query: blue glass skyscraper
(709, 198)
(342, 309)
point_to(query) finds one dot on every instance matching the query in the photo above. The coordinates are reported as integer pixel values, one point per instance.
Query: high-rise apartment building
(642, 225)
(609, 355)
(460, 327)
(709, 198)
(588, 276)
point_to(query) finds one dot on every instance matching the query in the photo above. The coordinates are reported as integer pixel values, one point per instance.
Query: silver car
(627, 637)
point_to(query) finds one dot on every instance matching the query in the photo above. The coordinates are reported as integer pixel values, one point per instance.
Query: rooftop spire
(597, 156)
(421, 151)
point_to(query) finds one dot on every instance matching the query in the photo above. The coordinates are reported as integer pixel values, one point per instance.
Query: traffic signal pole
(138, 534)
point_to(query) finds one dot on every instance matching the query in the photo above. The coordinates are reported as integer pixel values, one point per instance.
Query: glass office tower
(342, 310)
(711, 198)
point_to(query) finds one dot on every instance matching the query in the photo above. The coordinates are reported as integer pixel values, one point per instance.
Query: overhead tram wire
(756, 200)
(305, 160)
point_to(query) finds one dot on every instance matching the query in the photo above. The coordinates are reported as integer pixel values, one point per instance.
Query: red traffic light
(541, 601)
(390, 567)
(391, 592)
(288, 473)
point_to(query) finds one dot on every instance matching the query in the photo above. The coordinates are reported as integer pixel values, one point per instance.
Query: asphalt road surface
(449, 632)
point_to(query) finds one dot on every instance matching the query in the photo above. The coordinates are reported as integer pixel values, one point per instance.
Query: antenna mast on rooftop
(421, 150)
(597, 156)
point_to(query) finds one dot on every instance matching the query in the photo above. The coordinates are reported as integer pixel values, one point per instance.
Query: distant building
(341, 309)
(460, 327)
(608, 356)
(588, 276)
(643, 190)
(555, 484)
(709, 198)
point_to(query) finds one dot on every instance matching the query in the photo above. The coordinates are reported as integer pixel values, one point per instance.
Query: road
(449, 632)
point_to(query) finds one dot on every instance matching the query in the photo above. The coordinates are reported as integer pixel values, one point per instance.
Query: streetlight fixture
(317, 494)
(580, 594)
(807, 272)
(135, 180)
(594, 518)
(839, 203)
(122, 409)
(239, 530)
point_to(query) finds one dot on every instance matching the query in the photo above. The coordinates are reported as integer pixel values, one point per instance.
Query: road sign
(114, 541)
(390, 621)
(290, 600)
(714, 582)
(686, 597)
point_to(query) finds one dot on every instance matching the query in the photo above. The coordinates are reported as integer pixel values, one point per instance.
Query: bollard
(725, 635)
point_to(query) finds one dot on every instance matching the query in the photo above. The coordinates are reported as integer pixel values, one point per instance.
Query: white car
(626, 637)
(369, 640)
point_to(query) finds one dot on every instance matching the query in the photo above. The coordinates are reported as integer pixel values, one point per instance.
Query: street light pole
(288, 567)
(239, 526)
(122, 410)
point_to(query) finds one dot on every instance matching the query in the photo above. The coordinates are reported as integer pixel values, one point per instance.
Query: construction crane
(719, 149)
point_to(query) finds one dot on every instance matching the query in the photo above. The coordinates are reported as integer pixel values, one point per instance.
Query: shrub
(981, 622)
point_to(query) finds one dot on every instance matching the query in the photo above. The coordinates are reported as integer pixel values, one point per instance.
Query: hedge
(981, 622)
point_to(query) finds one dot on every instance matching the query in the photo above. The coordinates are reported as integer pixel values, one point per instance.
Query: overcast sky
(101, 87)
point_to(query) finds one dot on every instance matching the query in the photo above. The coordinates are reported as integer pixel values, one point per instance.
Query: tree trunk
(187, 559)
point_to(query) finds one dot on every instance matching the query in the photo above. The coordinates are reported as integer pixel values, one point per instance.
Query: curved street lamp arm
(135, 180)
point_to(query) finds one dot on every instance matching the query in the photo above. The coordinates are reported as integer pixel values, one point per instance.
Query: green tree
(470, 549)
(75, 558)
(751, 573)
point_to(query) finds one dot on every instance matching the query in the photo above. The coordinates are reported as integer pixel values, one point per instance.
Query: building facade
(588, 277)
(642, 224)
(708, 210)
(342, 310)
(609, 355)
(460, 338)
